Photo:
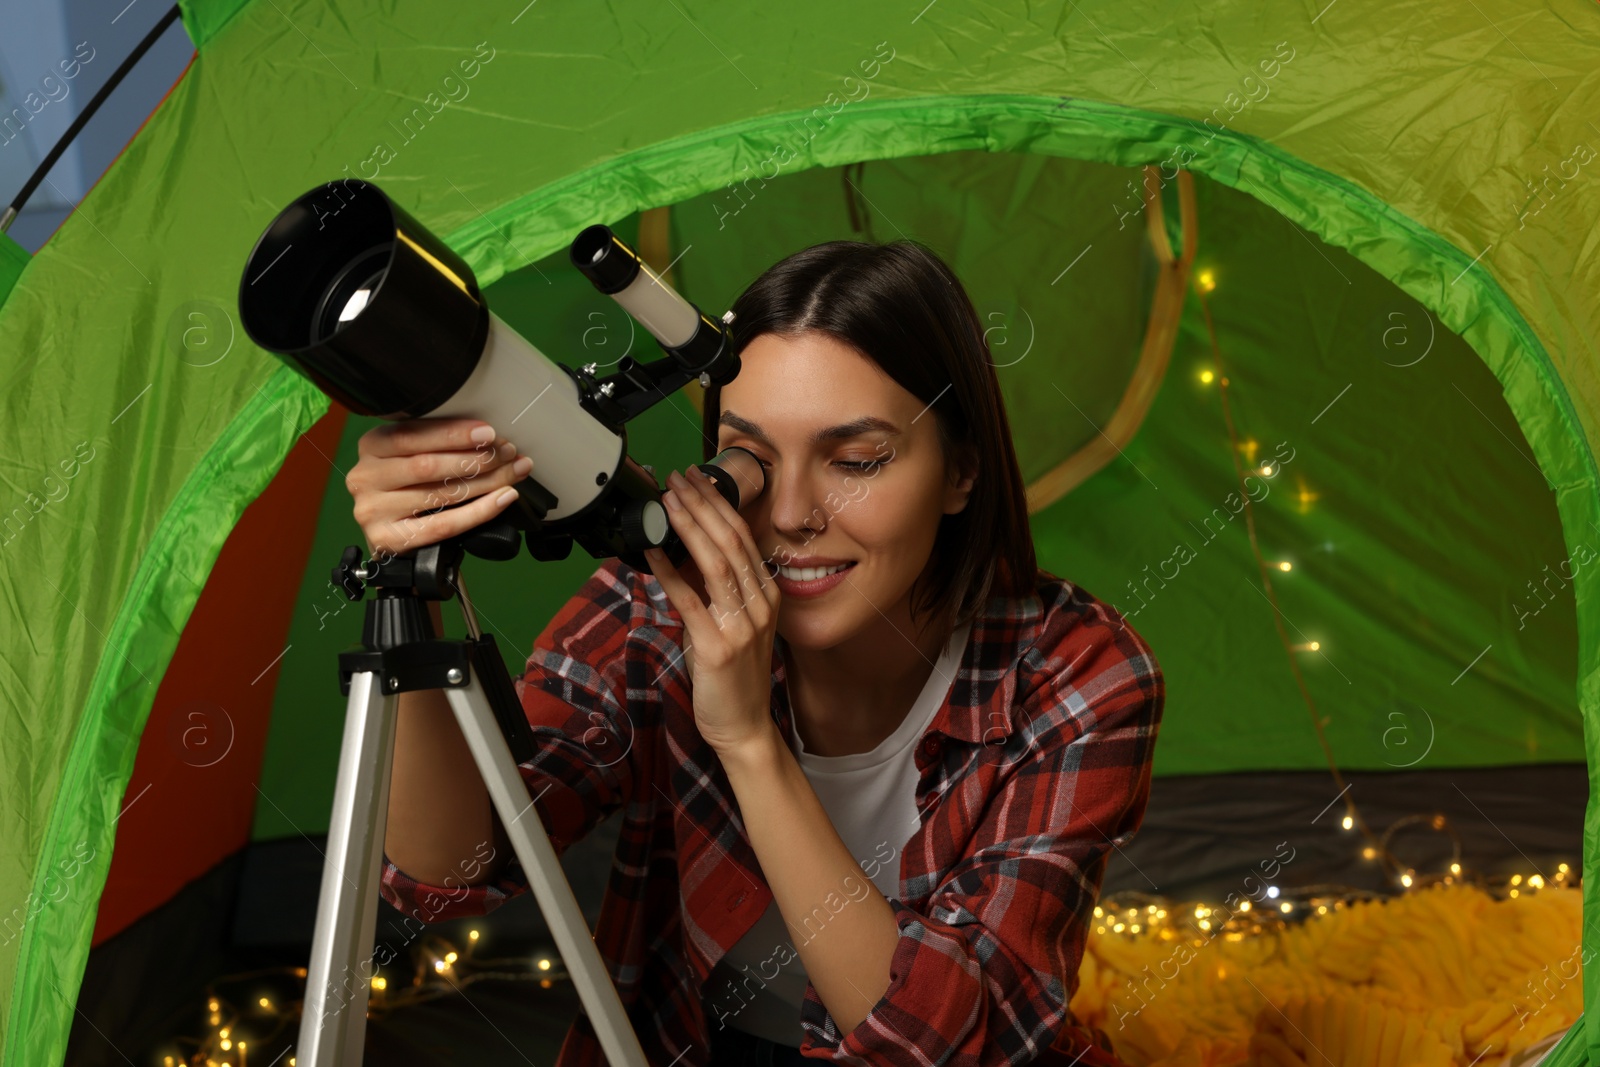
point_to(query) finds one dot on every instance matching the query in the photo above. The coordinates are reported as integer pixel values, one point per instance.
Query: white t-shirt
(871, 799)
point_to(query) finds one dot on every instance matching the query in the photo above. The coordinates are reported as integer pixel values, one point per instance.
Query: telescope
(381, 315)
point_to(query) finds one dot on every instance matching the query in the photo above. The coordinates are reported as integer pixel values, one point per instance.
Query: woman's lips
(815, 587)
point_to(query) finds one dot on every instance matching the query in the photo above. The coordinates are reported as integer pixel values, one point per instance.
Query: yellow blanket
(1438, 977)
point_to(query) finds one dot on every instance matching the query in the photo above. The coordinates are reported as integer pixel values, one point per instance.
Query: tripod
(399, 653)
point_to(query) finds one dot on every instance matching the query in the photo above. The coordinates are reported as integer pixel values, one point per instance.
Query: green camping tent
(1388, 208)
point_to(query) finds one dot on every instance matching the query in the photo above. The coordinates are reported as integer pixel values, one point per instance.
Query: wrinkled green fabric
(13, 258)
(1417, 139)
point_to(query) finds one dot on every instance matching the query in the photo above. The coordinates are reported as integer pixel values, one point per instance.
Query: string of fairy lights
(260, 1020)
(1133, 912)
(241, 1028)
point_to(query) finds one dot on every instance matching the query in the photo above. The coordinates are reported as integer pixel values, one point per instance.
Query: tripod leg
(550, 887)
(333, 1021)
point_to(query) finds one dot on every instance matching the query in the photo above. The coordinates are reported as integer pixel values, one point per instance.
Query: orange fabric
(191, 798)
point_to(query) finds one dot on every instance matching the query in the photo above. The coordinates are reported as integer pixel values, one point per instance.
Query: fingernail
(672, 500)
(523, 465)
(483, 435)
(506, 496)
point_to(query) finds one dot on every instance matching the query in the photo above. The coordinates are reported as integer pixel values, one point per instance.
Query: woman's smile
(808, 582)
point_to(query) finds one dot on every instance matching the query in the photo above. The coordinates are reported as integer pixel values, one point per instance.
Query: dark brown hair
(901, 307)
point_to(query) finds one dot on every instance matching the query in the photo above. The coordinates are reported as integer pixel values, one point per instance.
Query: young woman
(872, 759)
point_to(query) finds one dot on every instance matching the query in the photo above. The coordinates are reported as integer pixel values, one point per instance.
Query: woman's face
(855, 474)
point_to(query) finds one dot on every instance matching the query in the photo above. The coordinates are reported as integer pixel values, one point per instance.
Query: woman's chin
(811, 634)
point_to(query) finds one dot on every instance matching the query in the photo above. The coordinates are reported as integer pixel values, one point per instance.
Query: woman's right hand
(406, 469)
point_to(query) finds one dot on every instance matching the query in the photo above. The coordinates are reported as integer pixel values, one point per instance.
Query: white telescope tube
(516, 389)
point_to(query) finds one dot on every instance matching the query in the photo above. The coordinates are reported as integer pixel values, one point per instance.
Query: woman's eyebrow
(853, 428)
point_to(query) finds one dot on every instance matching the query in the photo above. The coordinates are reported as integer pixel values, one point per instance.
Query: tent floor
(1202, 837)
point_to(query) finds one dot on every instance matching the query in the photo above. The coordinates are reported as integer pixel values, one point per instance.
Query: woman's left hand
(730, 665)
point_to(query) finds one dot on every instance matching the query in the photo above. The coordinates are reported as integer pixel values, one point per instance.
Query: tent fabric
(13, 258)
(1424, 142)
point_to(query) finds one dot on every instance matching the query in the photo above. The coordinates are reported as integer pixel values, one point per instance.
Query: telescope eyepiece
(604, 259)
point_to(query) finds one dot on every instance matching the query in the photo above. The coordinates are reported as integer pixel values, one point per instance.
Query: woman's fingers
(679, 591)
(760, 578)
(717, 550)
(383, 473)
(421, 481)
(455, 490)
(418, 530)
(410, 437)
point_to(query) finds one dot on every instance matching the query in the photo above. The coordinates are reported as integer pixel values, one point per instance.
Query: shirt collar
(978, 709)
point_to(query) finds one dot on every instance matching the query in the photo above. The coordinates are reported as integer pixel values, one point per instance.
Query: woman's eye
(860, 466)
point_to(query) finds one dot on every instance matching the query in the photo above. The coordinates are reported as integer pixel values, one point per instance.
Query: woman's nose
(797, 510)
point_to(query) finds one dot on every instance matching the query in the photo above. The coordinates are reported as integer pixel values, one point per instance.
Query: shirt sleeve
(574, 694)
(983, 973)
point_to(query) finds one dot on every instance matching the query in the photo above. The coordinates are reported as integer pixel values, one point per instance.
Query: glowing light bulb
(1099, 911)
(1272, 891)
(1207, 377)
(1285, 565)
(450, 957)
(1286, 907)
(226, 1044)
(264, 1002)
(1267, 469)
(1205, 924)
(1245, 906)
(1134, 928)
(380, 982)
(1368, 853)
(1207, 280)
(1536, 880)
(1349, 822)
(1405, 879)
(1516, 879)
(472, 936)
(544, 965)
(1455, 868)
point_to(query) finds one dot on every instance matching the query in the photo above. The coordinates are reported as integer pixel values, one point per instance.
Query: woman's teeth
(807, 574)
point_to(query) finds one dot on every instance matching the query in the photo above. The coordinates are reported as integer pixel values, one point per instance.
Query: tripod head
(432, 572)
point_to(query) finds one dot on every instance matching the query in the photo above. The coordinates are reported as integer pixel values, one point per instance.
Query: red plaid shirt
(1035, 767)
